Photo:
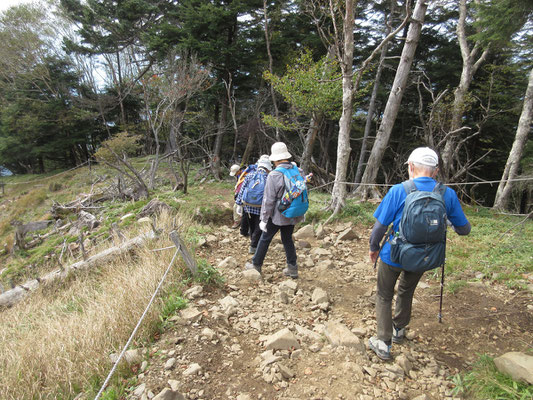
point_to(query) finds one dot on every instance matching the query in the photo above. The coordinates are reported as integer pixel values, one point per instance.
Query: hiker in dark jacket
(272, 220)
(251, 212)
(422, 165)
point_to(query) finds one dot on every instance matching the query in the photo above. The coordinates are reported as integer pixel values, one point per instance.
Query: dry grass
(60, 338)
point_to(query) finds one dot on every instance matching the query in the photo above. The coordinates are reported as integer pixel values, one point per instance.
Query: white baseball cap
(279, 152)
(234, 168)
(424, 156)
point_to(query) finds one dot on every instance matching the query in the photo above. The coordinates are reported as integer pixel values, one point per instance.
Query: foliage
(497, 21)
(121, 144)
(485, 382)
(207, 274)
(309, 86)
(172, 302)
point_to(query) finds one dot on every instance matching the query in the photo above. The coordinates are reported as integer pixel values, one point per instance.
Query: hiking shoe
(252, 250)
(398, 334)
(291, 272)
(249, 265)
(379, 347)
(236, 224)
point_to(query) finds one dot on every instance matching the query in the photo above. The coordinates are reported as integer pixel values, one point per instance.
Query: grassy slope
(497, 250)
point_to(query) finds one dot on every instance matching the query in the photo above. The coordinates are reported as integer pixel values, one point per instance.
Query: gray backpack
(420, 244)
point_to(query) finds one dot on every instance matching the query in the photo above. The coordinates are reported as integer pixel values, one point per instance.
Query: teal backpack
(420, 243)
(295, 200)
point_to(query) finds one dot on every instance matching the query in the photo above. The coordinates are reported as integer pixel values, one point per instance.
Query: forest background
(351, 86)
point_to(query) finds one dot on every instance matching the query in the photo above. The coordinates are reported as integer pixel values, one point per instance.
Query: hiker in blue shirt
(422, 167)
(252, 209)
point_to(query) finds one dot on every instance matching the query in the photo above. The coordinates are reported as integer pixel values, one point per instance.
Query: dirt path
(227, 340)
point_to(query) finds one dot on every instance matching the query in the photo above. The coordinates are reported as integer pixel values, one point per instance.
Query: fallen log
(18, 293)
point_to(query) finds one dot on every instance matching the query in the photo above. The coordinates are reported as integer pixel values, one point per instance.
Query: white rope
(447, 184)
(136, 328)
(48, 177)
(164, 248)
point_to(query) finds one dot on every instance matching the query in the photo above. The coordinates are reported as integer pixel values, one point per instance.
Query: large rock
(228, 262)
(404, 363)
(282, 340)
(193, 369)
(130, 357)
(194, 292)
(229, 305)
(306, 232)
(251, 275)
(168, 394)
(347, 234)
(339, 335)
(516, 364)
(288, 286)
(308, 333)
(191, 314)
(319, 296)
(320, 252)
(320, 232)
(324, 265)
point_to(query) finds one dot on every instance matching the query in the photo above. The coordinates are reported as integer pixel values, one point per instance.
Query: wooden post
(189, 260)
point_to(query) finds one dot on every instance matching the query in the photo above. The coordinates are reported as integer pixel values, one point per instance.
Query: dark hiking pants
(387, 277)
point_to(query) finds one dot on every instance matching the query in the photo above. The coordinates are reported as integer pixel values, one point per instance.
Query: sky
(5, 4)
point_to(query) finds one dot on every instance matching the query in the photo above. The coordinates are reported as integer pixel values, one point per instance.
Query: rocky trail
(271, 337)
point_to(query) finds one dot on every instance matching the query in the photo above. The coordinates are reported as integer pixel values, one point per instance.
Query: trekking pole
(441, 292)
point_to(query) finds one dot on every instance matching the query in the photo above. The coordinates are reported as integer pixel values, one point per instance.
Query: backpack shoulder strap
(409, 186)
(440, 189)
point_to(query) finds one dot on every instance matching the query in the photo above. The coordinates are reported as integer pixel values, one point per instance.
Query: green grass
(357, 212)
(172, 302)
(485, 382)
(501, 257)
(207, 274)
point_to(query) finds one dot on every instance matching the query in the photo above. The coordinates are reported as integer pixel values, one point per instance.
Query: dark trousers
(387, 277)
(245, 224)
(255, 231)
(266, 238)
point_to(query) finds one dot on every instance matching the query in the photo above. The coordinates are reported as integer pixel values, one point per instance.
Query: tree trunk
(513, 161)
(215, 161)
(270, 67)
(394, 101)
(345, 122)
(470, 67)
(249, 148)
(372, 104)
(310, 139)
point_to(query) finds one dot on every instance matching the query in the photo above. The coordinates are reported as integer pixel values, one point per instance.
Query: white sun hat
(234, 168)
(264, 162)
(279, 152)
(424, 156)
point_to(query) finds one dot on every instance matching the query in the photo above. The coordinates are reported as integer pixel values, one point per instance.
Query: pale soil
(477, 319)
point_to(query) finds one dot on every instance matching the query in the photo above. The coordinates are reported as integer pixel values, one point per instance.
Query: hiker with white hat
(272, 219)
(250, 197)
(431, 205)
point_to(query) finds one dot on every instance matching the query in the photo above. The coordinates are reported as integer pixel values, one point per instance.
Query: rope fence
(447, 184)
(115, 365)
